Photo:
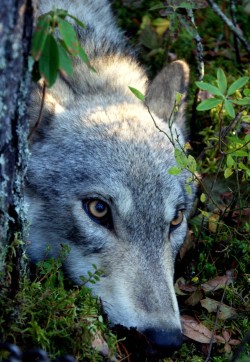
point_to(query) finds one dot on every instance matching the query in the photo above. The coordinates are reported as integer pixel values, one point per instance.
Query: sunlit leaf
(174, 170)
(191, 163)
(137, 93)
(203, 197)
(180, 158)
(188, 188)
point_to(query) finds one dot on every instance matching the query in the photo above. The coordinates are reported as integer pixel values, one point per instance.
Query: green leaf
(180, 158)
(230, 161)
(65, 63)
(239, 83)
(229, 108)
(246, 92)
(61, 13)
(49, 61)
(228, 172)
(241, 153)
(246, 118)
(137, 93)
(203, 197)
(242, 102)
(188, 189)
(69, 36)
(210, 88)
(174, 170)
(208, 104)
(156, 7)
(82, 54)
(191, 164)
(77, 21)
(39, 37)
(205, 213)
(221, 80)
(243, 167)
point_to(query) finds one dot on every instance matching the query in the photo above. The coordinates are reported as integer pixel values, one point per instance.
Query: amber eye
(98, 208)
(98, 211)
(177, 220)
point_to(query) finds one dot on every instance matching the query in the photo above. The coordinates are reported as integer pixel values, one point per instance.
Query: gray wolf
(98, 177)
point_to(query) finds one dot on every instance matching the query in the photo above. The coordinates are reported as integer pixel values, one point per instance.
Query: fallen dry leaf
(211, 306)
(195, 330)
(100, 345)
(217, 282)
(194, 298)
(179, 281)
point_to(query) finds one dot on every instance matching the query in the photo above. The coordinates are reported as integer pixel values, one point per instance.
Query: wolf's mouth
(149, 346)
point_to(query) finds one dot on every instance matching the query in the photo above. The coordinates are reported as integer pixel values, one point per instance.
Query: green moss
(54, 315)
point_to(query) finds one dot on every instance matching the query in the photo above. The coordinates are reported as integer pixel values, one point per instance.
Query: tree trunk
(16, 23)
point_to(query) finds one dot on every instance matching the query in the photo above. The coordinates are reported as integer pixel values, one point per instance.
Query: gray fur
(97, 140)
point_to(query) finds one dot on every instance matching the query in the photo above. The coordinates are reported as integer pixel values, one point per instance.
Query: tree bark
(16, 23)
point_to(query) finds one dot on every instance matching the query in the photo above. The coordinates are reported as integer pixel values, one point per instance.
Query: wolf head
(98, 181)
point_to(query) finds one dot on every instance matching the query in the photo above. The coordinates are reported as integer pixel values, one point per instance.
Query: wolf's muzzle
(165, 341)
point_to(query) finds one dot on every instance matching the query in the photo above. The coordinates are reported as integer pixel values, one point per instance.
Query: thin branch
(231, 26)
(40, 112)
(234, 20)
(216, 323)
(199, 46)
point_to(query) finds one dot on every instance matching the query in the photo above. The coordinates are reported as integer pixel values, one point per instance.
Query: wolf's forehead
(157, 201)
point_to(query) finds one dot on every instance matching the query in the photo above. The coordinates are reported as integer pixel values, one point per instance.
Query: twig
(40, 112)
(159, 129)
(231, 26)
(215, 323)
(234, 20)
(209, 198)
(199, 46)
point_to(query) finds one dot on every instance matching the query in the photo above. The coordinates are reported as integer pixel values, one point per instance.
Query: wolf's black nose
(164, 339)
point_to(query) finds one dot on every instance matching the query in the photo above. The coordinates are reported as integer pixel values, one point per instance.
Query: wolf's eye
(97, 208)
(99, 212)
(177, 220)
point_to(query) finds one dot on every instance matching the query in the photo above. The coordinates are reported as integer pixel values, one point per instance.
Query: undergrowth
(212, 275)
(50, 313)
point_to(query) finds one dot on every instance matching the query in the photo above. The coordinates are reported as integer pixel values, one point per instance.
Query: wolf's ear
(161, 93)
(45, 106)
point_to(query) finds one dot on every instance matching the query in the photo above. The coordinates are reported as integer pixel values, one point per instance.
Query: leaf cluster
(54, 42)
(222, 94)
